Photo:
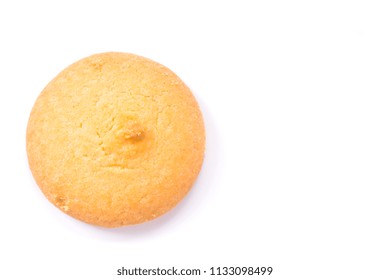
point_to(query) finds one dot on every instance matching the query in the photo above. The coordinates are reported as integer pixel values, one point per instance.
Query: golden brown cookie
(115, 139)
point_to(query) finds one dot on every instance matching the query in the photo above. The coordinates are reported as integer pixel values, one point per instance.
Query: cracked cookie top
(115, 139)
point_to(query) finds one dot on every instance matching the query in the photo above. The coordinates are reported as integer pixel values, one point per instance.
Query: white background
(296, 100)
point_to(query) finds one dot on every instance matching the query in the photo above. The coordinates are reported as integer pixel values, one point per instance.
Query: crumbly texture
(115, 139)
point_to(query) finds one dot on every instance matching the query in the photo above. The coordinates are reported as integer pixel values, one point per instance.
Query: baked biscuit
(115, 139)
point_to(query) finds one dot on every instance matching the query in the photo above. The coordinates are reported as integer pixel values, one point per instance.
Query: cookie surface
(115, 139)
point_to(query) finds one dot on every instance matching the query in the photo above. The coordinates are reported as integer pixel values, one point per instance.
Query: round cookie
(115, 139)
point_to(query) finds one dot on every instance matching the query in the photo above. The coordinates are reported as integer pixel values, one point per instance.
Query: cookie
(115, 139)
